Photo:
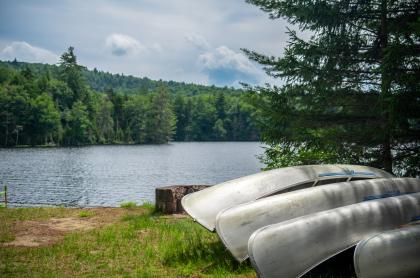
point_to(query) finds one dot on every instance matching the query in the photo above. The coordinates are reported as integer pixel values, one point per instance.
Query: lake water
(109, 175)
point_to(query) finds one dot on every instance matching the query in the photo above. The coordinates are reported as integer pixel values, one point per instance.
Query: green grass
(141, 243)
(85, 213)
(128, 205)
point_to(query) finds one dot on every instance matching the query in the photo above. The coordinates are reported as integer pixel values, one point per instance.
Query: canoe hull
(235, 225)
(394, 253)
(292, 248)
(203, 206)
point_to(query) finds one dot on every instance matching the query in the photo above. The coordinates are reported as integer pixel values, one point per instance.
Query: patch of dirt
(33, 233)
(38, 233)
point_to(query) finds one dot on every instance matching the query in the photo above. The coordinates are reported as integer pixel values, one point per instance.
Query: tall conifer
(351, 92)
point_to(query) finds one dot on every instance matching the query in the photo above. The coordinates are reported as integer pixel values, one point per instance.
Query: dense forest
(67, 104)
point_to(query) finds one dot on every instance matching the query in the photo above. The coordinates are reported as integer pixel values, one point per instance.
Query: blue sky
(195, 41)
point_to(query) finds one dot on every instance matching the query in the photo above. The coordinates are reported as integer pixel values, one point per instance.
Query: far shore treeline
(67, 104)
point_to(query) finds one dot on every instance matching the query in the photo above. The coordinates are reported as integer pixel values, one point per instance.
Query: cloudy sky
(195, 41)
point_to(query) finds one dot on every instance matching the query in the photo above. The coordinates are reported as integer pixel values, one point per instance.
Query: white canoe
(394, 253)
(293, 247)
(203, 206)
(236, 224)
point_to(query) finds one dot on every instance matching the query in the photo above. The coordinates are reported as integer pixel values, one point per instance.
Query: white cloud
(227, 67)
(224, 57)
(157, 38)
(120, 45)
(23, 51)
(198, 41)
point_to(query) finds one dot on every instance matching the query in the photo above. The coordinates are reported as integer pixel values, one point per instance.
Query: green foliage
(351, 91)
(70, 105)
(71, 73)
(128, 205)
(44, 119)
(149, 206)
(161, 119)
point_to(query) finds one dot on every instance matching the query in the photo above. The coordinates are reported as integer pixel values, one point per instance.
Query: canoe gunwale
(315, 183)
(310, 174)
(272, 193)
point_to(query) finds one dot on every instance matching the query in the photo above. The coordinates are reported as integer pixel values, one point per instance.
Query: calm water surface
(110, 175)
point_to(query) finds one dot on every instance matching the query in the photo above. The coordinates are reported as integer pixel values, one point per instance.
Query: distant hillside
(102, 81)
(44, 104)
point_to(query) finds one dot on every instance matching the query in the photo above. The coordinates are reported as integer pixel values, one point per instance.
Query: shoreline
(119, 144)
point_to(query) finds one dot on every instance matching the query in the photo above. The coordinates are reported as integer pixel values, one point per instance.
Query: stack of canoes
(289, 220)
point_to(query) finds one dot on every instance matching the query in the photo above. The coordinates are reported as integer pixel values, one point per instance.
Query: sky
(195, 41)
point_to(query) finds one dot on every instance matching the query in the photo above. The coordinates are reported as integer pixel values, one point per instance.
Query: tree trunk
(385, 92)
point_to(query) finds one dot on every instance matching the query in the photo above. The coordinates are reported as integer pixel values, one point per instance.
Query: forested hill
(67, 104)
(101, 81)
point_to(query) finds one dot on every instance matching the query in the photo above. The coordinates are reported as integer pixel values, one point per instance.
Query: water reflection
(109, 175)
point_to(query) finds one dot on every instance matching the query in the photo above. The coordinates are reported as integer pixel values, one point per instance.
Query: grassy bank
(120, 242)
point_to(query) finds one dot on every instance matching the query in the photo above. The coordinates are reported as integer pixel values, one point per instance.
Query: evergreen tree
(352, 91)
(71, 73)
(160, 125)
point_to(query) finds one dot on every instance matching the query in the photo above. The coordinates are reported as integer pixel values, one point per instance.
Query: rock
(168, 198)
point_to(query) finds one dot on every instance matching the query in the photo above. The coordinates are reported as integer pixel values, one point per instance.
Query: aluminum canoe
(394, 253)
(293, 247)
(236, 224)
(203, 206)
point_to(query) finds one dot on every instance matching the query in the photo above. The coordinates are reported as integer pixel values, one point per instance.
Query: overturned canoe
(293, 247)
(236, 224)
(204, 205)
(394, 253)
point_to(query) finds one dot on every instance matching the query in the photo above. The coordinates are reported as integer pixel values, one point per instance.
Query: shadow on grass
(181, 243)
(200, 250)
(340, 266)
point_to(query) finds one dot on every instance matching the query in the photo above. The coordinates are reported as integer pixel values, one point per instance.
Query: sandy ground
(41, 233)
